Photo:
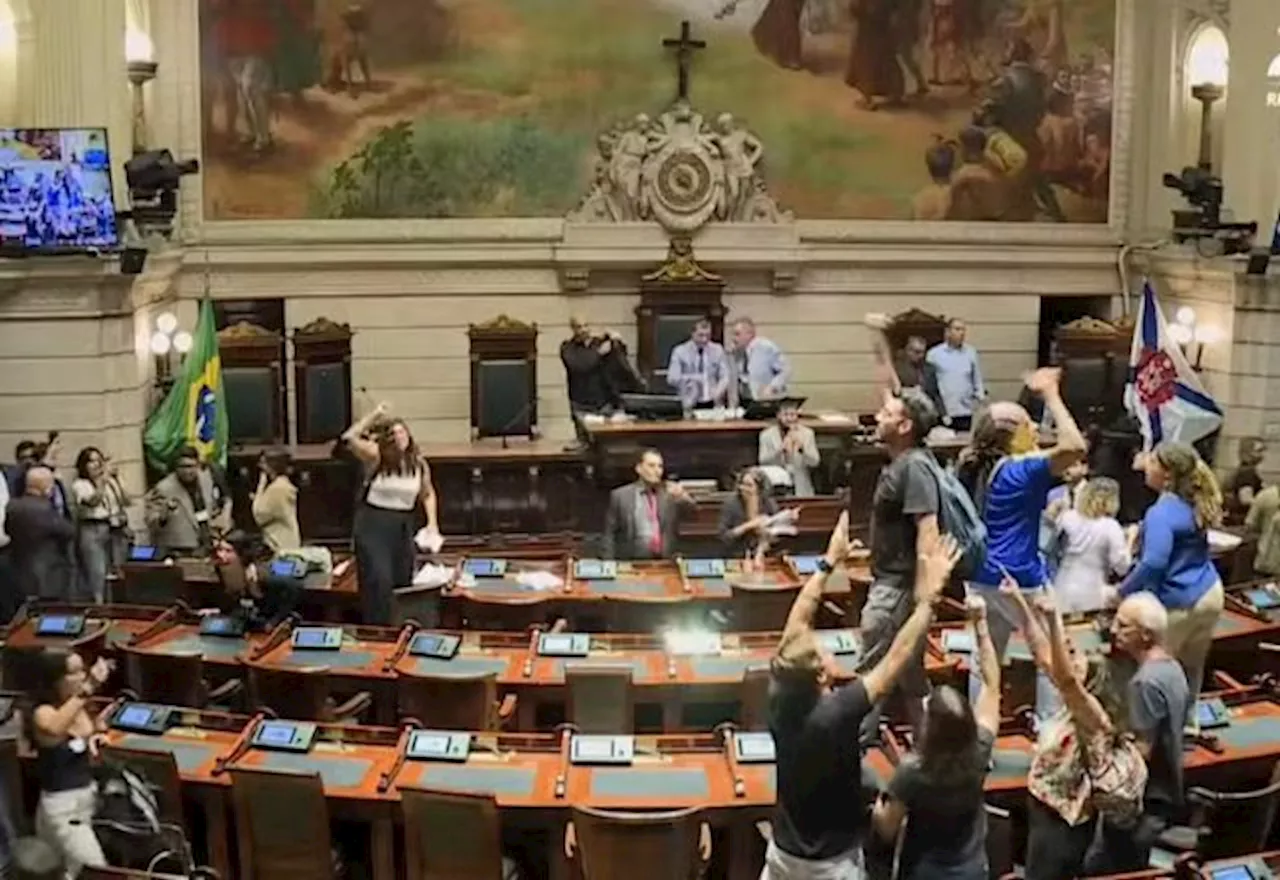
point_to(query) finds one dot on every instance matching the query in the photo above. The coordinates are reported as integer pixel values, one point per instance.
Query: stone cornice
(82, 286)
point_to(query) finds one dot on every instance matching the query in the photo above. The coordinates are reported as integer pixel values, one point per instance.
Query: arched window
(1208, 56)
(1273, 69)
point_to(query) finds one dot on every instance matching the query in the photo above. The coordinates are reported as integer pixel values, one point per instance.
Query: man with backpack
(904, 523)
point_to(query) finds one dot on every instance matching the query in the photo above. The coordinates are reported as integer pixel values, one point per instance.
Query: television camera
(154, 178)
(1201, 222)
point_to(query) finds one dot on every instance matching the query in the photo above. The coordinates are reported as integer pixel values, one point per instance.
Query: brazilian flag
(195, 412)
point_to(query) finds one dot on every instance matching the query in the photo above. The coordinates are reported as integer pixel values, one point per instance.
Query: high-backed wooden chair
(419, 604)
(761, 608)
(160, 770)
(753, 699)
(448, 703)
(176, 679)
(282, 826)
(149, 583)
(302, 694)
(601, 699)
(451, 835)
(637, 846)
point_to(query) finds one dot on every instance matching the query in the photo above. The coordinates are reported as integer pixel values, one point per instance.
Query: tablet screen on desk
(602, 749)
(805, 565)
(60, 625)
(287, 568)
(1233, 872)
(435, 745)
(1212, 713)
(134, 716)
(564, 644)
(311, 637)
(595, 570)
(222, 625)
(755, 748)
(139, 553)
(1263, 600)
(485, 568)
(436, 645)
(704, 568)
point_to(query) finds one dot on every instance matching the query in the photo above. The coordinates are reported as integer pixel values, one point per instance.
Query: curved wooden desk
(371, 657)
(528, 774)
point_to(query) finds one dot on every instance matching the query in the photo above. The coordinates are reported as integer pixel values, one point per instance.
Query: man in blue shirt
(959, 373)
(698, 370)
(763, 370)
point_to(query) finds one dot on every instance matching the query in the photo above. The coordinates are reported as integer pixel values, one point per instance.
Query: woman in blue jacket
(1174, 563)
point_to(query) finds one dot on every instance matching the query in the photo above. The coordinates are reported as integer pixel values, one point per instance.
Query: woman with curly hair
(1174, 563)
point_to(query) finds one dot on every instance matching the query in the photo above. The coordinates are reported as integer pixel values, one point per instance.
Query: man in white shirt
(698, 370)
(959, 374)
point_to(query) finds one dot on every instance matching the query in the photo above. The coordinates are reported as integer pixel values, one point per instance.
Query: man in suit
(914, 371)
(184, 509)
(643, 519)
(40, 539)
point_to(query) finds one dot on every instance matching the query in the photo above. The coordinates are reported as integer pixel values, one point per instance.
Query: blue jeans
(1003, 617)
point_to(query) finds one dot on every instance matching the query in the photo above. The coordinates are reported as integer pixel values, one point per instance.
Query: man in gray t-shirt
(1159, 700)
(904, 509)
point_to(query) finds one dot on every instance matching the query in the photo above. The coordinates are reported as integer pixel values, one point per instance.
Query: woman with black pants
(397, 491)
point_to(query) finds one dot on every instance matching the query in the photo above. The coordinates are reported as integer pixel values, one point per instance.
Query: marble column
(71, 72)
(1250, 169)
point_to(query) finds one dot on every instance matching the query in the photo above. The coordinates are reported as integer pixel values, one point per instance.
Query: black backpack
(128, 826)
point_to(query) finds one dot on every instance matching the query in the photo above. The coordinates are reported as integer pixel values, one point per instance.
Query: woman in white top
(101, 524)
(397, 492)
(1094, 547)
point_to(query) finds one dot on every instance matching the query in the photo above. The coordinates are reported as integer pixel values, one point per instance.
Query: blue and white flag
(1164, 394)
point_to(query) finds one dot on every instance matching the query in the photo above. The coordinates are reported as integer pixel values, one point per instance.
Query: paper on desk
(539, 580)
(432, 575)
(783, 523)
(1219, 540)
(428, 540)
(834, 418)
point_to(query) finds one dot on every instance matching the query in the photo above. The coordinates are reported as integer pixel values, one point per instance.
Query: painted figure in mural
(873, 69)
(247, 40)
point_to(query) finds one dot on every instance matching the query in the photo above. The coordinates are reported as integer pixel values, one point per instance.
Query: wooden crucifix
(685, 45)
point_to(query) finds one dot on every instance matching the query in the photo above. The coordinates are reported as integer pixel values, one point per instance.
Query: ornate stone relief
(680, 172)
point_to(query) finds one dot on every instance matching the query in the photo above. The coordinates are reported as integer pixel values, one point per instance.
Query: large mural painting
(964, 110)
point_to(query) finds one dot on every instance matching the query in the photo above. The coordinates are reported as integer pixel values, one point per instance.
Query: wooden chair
(11, 786)
(302, 694)
(464, 703)
(282, 825)
(160, 770)
(637, 846)
(149, 583)
(761, 609)
(176, 679)
(450, 835)
(601, 699)
(753, 699)
(418, 604)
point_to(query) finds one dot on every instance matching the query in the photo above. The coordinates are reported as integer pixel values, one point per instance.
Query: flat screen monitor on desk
(317, 638)
(754, 748)
(438, 745)
(602, 750)
(141, 553)
(595, 569)
(485, 568)
(1238, 872)
(440, 646)
(763, 410)
(564, 645)
(1212, 713)
(704, 568)
(653, 407)
(286, 736)
(805, 565)
(224, 625)
(142, 718)
(65, 625)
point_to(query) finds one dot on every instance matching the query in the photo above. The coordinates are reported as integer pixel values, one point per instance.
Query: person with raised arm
(819, 821)
(940, 784)
(397, 491)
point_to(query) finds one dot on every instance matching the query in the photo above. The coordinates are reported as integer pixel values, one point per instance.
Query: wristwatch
(824, 566)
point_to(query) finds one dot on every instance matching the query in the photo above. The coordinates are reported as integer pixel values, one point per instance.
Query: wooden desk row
(643, 596)
(361, 767)
(372, 658)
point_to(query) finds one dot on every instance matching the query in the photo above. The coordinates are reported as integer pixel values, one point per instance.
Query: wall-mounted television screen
(55, 190)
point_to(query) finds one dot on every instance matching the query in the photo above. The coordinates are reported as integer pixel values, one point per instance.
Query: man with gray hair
(1158, 700)
(762, 370)
(41, 539)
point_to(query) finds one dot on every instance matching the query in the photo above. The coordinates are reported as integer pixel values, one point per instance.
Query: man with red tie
(643, 518)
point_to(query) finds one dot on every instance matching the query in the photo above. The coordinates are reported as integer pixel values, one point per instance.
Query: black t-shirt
(946, 820)
(820, 812)
(905, 490)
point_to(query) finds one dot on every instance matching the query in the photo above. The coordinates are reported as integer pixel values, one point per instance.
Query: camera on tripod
(154, 178)
(1202, 221)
